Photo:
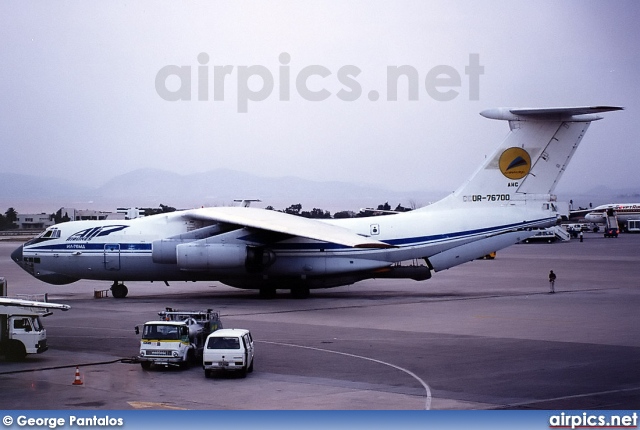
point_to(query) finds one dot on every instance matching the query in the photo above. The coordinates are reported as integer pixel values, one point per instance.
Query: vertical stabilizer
(534, 155)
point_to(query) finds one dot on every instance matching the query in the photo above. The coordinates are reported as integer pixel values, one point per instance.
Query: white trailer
(177, 339)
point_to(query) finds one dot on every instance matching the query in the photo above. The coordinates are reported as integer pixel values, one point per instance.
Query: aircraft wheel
(300, 293)
(267, 293)
(119, 291)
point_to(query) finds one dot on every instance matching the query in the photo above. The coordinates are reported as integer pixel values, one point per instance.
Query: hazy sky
(80, 99)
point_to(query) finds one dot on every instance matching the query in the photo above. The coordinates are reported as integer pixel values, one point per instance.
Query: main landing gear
(296, 293)
(119, 290)
(300, 293)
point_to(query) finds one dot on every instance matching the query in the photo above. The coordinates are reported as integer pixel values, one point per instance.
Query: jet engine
(198, 256)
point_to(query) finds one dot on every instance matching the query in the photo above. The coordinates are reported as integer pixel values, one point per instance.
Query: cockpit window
(48, 234)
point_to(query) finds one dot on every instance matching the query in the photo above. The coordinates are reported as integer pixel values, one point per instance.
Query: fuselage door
(112, 256)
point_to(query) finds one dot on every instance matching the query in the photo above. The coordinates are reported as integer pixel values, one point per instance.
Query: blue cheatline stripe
(460, 234)
(413, 241)
(75, 246)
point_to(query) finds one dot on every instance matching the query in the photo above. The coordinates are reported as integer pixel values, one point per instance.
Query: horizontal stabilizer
(580, 113)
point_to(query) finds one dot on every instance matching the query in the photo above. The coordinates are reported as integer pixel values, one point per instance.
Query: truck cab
(21, 333)
(177, 339)
(164, 343)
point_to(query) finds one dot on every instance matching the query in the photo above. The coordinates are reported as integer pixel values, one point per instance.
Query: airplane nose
(17, 255)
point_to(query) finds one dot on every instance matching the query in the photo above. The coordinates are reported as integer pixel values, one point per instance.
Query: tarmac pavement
(483, 335)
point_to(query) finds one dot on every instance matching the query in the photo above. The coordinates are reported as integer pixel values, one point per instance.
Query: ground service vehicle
(21, 333)
(177, 339)
(612, 229)
(228, 349)
(543, 235)
(633, 225)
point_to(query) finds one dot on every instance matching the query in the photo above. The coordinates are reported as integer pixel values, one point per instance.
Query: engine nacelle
(164, 251)
(198, 256)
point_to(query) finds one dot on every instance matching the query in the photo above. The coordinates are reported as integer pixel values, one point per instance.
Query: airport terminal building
(42, 220)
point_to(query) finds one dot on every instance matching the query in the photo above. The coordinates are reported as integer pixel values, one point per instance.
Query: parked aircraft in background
(252, 248)
(625, 212)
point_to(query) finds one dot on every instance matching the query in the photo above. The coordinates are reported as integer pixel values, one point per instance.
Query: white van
(228, 349)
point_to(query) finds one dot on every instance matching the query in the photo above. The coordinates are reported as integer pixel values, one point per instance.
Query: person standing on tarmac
(552, 282)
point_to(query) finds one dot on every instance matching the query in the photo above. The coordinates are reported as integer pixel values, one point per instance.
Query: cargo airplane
(252, 248)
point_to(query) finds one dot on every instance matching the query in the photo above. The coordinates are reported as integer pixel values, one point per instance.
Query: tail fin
(534, 155)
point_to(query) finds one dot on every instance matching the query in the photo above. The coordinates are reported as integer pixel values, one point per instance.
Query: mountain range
(152, 187)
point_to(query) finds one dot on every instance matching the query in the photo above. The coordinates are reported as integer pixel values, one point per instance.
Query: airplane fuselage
(167, 247)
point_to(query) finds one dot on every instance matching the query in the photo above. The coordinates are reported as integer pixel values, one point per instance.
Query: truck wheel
(251, 366)
(16, 351)
(146, 365)
(208, 373)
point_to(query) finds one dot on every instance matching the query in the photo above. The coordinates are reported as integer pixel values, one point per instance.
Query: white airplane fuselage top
(246, 247)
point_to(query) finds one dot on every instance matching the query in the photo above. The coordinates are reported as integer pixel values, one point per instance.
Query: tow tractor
(177, 338)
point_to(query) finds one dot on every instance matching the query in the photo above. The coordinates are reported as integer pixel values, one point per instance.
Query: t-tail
(511, 193)
(534, 155)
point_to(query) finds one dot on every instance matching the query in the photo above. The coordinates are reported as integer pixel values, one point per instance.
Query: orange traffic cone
(77, 381)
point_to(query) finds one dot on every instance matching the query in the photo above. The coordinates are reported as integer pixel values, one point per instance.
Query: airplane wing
(579, 213)
(285, 223)
(6, 301)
